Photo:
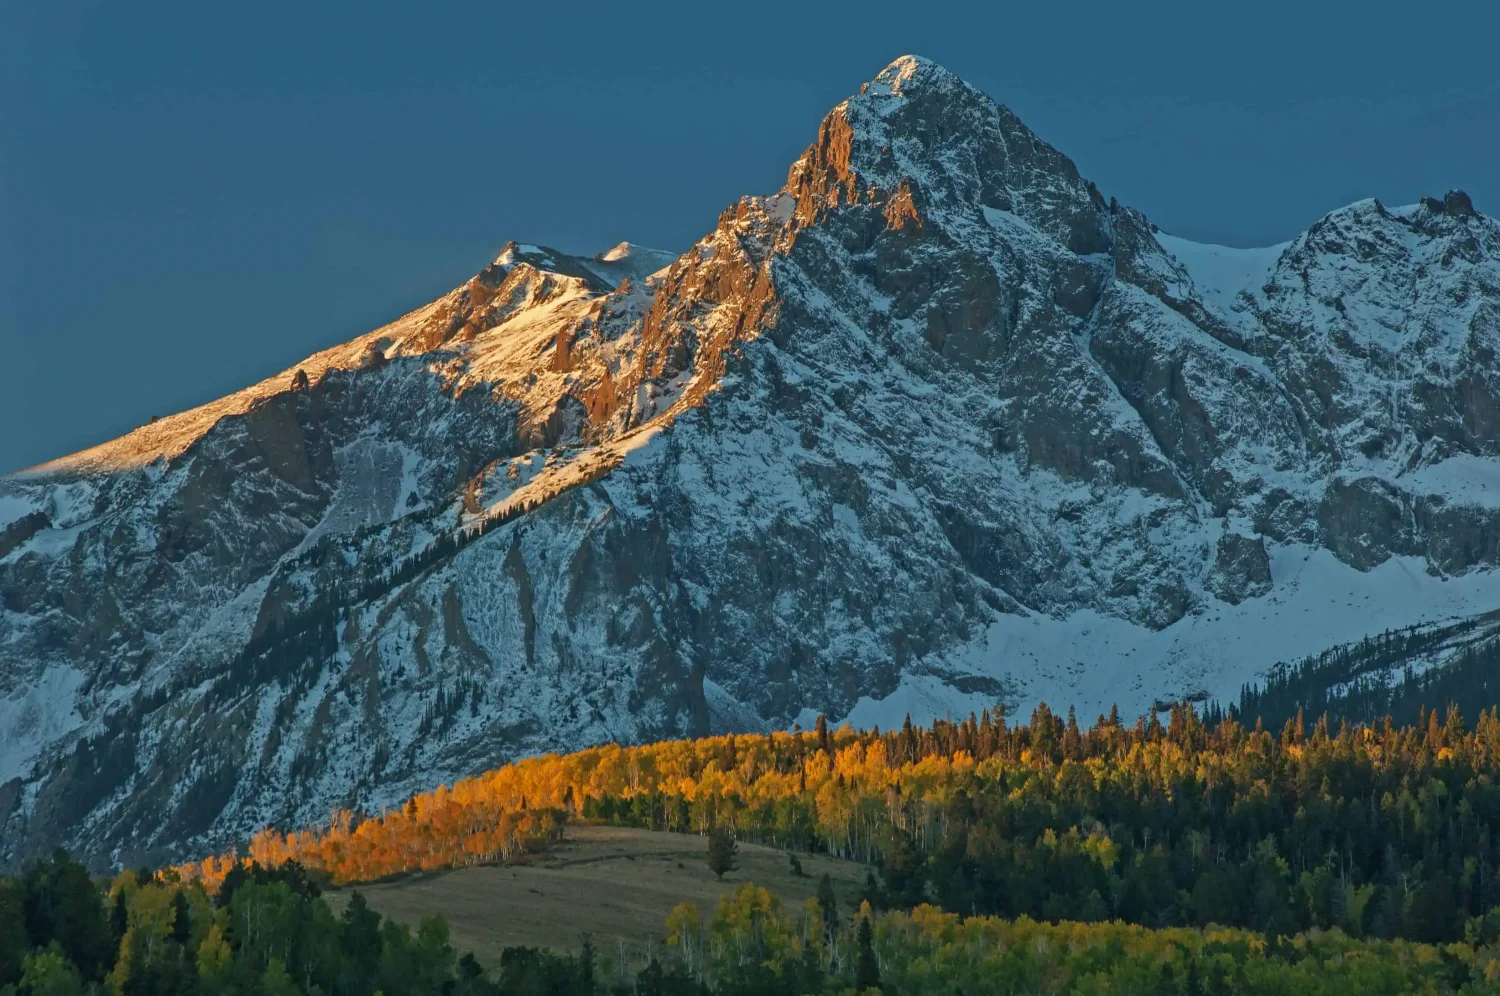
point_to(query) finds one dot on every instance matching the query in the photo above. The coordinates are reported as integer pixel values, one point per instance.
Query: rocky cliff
(934, 425)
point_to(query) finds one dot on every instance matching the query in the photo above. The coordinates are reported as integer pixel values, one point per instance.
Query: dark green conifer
(721, 852)
(866, 968)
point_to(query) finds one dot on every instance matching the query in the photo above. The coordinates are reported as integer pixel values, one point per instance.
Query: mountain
(934, 425)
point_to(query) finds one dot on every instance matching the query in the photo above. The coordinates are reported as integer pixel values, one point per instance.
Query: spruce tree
(13, 937)
(63, 904)
(721, 852)
(866, 969)
(182, 923)
(828, 903)
(585, 965)
(359, 937)
(119, 916)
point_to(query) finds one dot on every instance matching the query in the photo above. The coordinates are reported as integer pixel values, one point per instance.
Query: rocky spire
(954, 149)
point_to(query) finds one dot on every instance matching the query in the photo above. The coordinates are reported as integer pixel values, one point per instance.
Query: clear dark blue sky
(194, 195)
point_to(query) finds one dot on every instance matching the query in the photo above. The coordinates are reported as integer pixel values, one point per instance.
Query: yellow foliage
(849, 792)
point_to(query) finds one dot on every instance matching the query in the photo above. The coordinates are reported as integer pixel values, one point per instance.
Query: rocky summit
(937, 424)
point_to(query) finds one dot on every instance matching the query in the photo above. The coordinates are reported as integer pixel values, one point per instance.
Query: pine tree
(872, 892)
(866, 968)
(182, 923)
(234, 880)
(119, 917)
(828, 903)
(13, 938)
(721, 852)
(585, 964)
(908, 741)
(359, 937)
(1072, 744)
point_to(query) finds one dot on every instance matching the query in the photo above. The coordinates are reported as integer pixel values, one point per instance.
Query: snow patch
(1220, 273)
(38, 714)
(1463, 479)
(922, 697)
(13, 507)
(1092, 661)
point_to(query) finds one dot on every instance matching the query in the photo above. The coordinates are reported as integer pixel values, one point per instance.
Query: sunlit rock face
(936, 425)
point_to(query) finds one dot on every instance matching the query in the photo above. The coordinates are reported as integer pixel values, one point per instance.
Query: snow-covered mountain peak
(919, 140)
(908, 74)
(629, 251)
(935, 424)
(603, 271)
(542, 259)
(627, 261)
(524, 252)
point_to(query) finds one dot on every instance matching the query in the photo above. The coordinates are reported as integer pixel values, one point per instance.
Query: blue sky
(195, 195)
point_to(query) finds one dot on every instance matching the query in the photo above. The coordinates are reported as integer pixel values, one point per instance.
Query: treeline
(752, 945)
(270, 933)
(1366, 681)
(1380, 831)
(266, 932)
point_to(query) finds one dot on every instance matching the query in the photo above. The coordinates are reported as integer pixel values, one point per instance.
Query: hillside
(276, 935)
(934, 425)
(1379, 830)
(617, 884)
(1047, 857)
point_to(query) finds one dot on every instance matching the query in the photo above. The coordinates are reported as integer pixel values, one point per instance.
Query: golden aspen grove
(1379, 831)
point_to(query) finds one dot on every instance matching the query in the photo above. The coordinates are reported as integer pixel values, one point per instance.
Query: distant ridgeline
(1392, 674)
(1379, 831)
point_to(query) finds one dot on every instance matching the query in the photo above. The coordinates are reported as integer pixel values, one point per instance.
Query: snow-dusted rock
(934, 425)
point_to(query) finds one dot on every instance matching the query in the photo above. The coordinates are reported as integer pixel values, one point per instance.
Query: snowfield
(1093, 662)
